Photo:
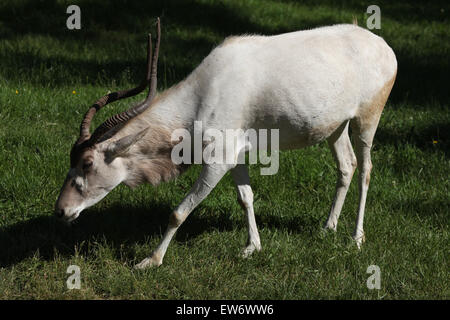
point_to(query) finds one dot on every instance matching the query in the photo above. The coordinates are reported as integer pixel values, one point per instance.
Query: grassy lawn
(50, 75)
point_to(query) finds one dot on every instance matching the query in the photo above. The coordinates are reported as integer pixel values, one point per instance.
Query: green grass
(407, 215)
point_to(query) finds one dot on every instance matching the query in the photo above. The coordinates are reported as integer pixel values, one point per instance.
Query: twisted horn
(114, 96)
(118, 120)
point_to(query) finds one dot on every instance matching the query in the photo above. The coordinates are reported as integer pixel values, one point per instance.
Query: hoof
(330, 226)
(148, 262)
(359, 239)
(248, 251)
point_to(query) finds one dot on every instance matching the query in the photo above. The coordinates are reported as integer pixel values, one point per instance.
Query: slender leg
(364, 126)
(245, 198)
(342, 151)
(209, 177)
(363, 133)
(363, 147)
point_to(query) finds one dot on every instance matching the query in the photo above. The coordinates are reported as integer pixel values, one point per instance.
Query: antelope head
(96, 164)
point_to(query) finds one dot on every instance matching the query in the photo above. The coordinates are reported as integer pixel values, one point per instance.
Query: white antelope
(308, 84)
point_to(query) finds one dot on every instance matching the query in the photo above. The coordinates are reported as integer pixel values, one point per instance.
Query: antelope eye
(78, 187)
(87, 165)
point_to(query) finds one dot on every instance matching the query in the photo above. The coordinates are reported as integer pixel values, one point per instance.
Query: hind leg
(364, 126)
(343, 154)
(363, 143)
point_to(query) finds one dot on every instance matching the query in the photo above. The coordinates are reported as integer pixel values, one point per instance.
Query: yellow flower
(434, 141)
(74, 92)
(17, 91)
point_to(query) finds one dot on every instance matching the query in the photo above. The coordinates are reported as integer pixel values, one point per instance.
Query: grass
(49, 76)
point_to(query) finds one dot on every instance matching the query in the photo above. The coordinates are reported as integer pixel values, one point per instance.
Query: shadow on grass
(419, 82)
(405, 11)
(432, 211)
(122, 226)
(112, 24)
(118, 225)
(129, 18)
(422, 138)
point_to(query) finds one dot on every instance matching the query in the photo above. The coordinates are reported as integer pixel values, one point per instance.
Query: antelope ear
(121, 146)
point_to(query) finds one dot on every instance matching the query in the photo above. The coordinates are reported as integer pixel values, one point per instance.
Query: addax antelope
(311, 85)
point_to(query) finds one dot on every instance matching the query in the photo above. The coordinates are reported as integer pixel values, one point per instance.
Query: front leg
(245, 197)
(208, 179)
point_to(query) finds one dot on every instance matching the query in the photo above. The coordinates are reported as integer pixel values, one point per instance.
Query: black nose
(59, 213)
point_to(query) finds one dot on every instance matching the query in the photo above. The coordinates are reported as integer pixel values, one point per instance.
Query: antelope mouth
(68, 220)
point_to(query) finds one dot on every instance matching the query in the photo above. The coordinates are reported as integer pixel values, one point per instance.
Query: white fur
(308, 84)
